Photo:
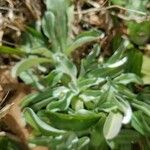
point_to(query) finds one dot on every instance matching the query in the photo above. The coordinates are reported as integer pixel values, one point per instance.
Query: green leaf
(117, 63)
(128, 78)
(42, 51)
(118, 54)
(82, 39)
(141, 106)
(97, 137)
(52, 78)
(80, 120)
(124, 107)
(144, 95)
(87, 83)
(77, 104)
(66, 66)
(106, 96)
(28, 77)
(141, 123)
(138, 35)
(108, 69)
(83, 142)
(122, 89)
(7, 142)
(127, 136)
(70, 20)
(59, 9)
(36, 97)
(34, 32)
(117, 40)
(146, 69)
(90, 61)
(62, 104)
(39, 105)
(48, 26)
(112, 125)
(42, 141)
(104, 72)
(11, 51)
(39, 125)
(134, 64)
(26, 64)
(33, 40)
(93, 55)
(140, 5)
(90, 98)
(28, 99)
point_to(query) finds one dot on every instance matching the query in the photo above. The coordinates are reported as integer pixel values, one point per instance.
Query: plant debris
(74, 74)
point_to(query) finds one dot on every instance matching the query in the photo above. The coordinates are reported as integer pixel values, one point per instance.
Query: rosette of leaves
(91, 109)
(93, 106)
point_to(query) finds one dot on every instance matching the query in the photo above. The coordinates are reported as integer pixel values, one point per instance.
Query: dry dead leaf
(14, 119)
(11, 114)
(5, 110)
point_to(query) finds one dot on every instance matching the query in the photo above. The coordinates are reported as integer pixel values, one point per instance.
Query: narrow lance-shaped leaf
(140, 124)
(39, 125)
(86, 83)
(128, 78)
(34, 98)
(117, 63)
(48, 26)
(39, 105)
(141, 106)
(42, 51)
(52, 78)
(83, 142)
(28, 99)
(134, 63)
(34, 32)
(26, 64)
(112, 125)
(12, 51)
(80, 120)
(124, 90)
(66, 66)
(59, 9)
(146, 69)
(62, 104)
(118, 53)
(127, 136)
(106, 96)
(97, 137)
(109, 69)
(90, 61)
(82, 39)
(124, 107)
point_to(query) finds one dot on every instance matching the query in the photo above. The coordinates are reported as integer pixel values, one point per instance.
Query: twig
(8, 43)
(137, 19)
(7, 8)
(3, 100)
(110, 7)
(94, 4)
